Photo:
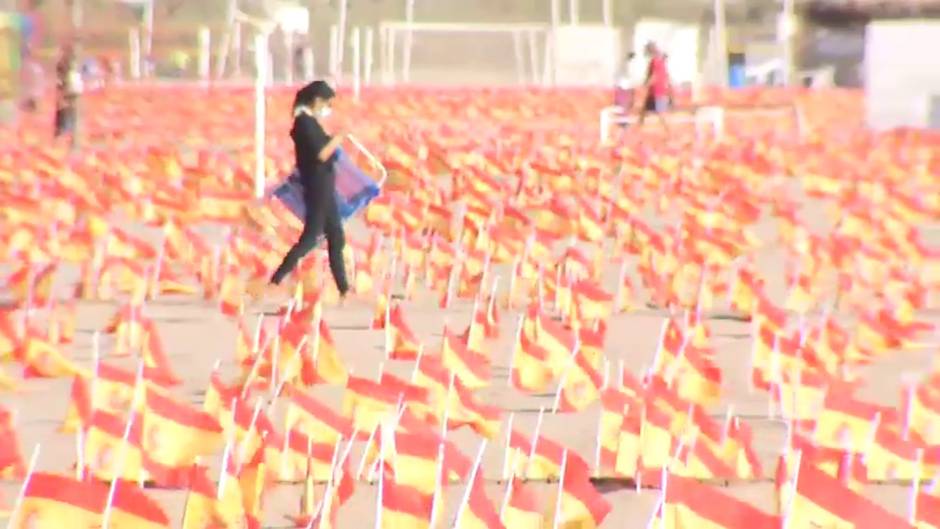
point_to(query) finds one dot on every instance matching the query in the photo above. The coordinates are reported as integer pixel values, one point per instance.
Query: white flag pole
(341, 36)
(261, 69)
(408, 46)
(367, 56)
(133, 41)
(14, 512)
(469, 489)
(205, 53)
(556, 523)
(356, 62)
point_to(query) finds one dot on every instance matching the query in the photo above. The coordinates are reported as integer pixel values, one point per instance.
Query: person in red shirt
(658, 85)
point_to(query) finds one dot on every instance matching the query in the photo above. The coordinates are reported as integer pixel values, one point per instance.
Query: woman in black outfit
(314, 151)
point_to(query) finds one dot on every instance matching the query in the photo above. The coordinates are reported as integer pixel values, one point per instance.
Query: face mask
(325, 112)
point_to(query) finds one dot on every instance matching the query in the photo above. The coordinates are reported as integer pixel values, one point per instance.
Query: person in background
(629, 81)
(68, 89)
(32, 82)
(625, 89)
(657, 84)
(315, 153)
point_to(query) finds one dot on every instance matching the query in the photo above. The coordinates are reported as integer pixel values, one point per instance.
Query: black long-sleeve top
(309, 139)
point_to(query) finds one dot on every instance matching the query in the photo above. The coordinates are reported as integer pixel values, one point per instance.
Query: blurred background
(483, 42)
(831, 32)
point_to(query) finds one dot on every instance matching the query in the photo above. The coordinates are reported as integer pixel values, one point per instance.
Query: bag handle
(372, 159)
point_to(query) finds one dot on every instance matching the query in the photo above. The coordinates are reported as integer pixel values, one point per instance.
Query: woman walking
(314, 151)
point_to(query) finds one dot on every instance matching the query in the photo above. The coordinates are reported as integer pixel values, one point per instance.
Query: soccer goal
(454, 46)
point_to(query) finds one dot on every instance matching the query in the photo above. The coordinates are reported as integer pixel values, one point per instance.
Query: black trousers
(322, 218)
(65, 118)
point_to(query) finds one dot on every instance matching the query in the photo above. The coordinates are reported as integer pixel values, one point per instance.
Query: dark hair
(314, 90)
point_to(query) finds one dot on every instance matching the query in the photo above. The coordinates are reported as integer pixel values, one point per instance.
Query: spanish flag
(218, 398)
(325, 359)
(823, 500)
(927, 511)
(132, 509)
(207, 507)
(9, 336)
(656, 440)
(105, 449)
(619, 436)
(300, 457)
(51, 501)
(478, 511)
(11, 460)
(470, 367)
(591, 302)
(690, 504)
(404, 507)
(41, 358)
(842, 413)
(581, 505)
(581, 385)
(400, 340)
(464, 407)
(922, 409)
(554, 338)
(699, 461)
(544, 462)
(415, 460)
(530, 371)
(523, 510)
(479, 329)
(315, 419)
(367, 402)
(891, 457)
(175, 434)
(32, 285)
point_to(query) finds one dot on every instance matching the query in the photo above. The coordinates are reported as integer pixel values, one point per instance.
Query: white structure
(679, 41)
(587, 54)
(900, 88)
(571, 53)
(389, 32)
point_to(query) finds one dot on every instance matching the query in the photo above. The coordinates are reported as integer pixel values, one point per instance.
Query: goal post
(571, 55)
(397, 37)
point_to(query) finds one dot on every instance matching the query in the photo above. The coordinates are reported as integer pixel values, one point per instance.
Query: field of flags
(669, 331)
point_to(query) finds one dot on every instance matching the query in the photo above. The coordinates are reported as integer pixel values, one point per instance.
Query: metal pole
(204, 53)
(334, 53)
(552, 46)
(721, 44)
(309, 66)
(76, 14)
(289, 63)
(367, 58)
(148, 37)
(408, 46)
(341, 42)
(226, 43)
(574, 11)
(786, 29)
(236, 49)
(608, 10)
(383, 54)
(133, 42)
(357, 62)
(520, 58)
(533, 57)
(392, 35)
(261, 69)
